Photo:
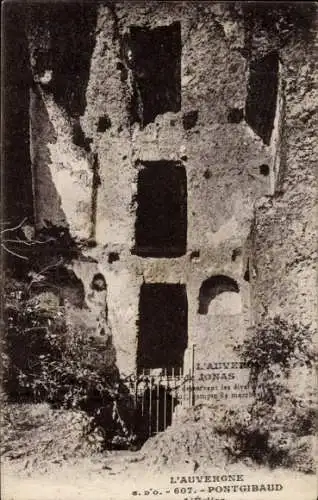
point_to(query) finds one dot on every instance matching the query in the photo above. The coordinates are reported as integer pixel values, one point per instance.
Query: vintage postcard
(158, 243)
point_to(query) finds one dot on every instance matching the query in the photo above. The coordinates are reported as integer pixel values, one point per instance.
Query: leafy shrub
(43, 360)
(276, 343)
(26, 341)
(277, 429)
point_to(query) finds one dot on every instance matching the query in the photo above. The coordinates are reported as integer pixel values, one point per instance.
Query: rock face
(284, 240)
(174, 141)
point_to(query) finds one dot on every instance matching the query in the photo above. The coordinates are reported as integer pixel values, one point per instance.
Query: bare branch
(13, 253)
(11, 229)
(51, 266)
(29, 243)
(17, 240)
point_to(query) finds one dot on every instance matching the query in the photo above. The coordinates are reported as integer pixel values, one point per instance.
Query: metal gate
(157, 393)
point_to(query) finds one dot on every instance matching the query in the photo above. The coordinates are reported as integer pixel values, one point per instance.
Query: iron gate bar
(192, 375)
(157, 406)
(150, 406)
(156, 395)
(165, 402)
(172, 399)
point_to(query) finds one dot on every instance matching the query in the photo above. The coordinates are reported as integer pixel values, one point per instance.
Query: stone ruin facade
(174, 142)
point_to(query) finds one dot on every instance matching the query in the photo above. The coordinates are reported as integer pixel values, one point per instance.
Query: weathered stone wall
(221, 160)
(284, 233)
(85, 168)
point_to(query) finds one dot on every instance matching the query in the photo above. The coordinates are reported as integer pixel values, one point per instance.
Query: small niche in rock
(235, 115)
(113, 257)
(190, 119)
(184, 157)
(207, 174)
(195, 255)
(79, 138)
(123, 71)
(236, 253)
(264, 170)
(247, 272)
(104, 123)
(98, 282)
(212, 287)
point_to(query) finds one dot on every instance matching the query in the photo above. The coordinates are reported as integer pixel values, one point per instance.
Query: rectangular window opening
(154, 58)
(163, 326)
(262, 94)
(161, 217)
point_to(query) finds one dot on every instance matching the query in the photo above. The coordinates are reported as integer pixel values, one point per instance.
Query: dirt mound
(38, 434)
(189, 444)
(214, 436)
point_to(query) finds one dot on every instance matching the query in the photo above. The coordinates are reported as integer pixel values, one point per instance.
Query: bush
(44, 361)
(27, 340)
(277, 429)
(276, 344)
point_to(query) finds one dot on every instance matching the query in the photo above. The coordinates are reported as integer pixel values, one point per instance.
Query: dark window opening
(264, 170)
(195, 255)
(207, 174)
(190, 119)
(262, 94)
(237, 252)
(212, 287)
(113, 257)
(163, 326)
(161, 218)
(104, 123)
(98, 282)
(235, 115)
(154, 56)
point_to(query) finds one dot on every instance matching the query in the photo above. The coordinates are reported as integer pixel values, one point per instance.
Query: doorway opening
(163, 326)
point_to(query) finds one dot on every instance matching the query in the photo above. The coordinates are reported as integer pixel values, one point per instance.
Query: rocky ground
(49, 455)
(116, 476)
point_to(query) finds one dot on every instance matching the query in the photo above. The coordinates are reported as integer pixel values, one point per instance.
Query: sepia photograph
(158, 250)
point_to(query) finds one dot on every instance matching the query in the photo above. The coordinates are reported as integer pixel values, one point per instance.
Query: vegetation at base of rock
(277, 344)
(278, 428)
(43, 360)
